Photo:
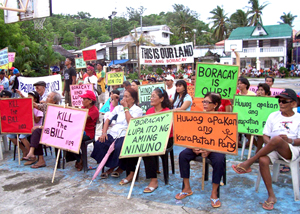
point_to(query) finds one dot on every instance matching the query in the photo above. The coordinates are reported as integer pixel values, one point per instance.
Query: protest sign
(16, 116)
(115, 78)
(80, 63)
(89, 55)
(76, 91)
(212, 131)
(63, 127)
(147, 136)
(9, 65)
(11, 56)
(167, 55)
(197, 104)
(106, 106)
(53, 83)
(274, 91)
(216, 78)
(144, 94)
(253, 112)
(4, 56)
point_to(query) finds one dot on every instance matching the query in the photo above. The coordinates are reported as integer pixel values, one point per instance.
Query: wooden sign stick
(55, 168)
(18, 143)
(134, 177)
(250, 146)
(203, 172)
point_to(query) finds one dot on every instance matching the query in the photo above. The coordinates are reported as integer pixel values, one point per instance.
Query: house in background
(260, 46)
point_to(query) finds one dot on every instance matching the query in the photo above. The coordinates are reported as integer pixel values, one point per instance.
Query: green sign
(145, 94)
(148, 135)
(216, 78)
(253, 112)
(80, 63)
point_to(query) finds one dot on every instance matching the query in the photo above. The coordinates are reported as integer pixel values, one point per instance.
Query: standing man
(101, 82)
(70, 79)
(3, 80)
(171, 89)
(40, 88)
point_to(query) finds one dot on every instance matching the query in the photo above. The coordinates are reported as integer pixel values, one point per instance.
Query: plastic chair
(244, 146)
(294, 166)
(165, 163)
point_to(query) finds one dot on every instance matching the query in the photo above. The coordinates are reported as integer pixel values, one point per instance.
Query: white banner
(53, 83)
(167, 55)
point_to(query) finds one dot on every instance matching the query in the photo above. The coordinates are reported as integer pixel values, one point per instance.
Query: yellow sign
(115, 78)
(6, 66)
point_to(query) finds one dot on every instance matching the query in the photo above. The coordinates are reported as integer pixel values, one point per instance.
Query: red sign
(16, 116)
(89, 55)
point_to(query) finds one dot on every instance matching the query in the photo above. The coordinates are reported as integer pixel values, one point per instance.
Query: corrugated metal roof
(274, 31)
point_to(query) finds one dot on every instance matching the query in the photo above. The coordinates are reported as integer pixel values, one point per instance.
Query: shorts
(14, 136)
(295, 150)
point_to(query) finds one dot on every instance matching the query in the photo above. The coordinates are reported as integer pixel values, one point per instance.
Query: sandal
(243, 170)
(124, 182)
(285, 169)
(183, 195)
(115, 174)
(104, 175)
(214, 203)
(268, 205)
(150, 189)
(35, 166)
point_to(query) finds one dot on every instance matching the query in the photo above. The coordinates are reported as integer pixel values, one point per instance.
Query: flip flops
(150, 189)
(214, 203)
(104, 175)
(115, 174)
(35, 166)
(243, 170)
(183, 195)
(285, 169)
(30, 161)
(124, 182)
(268, 205)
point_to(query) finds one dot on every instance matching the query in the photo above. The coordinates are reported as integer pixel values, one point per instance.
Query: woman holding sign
(211, 102)
(127, 110)
(181, 100)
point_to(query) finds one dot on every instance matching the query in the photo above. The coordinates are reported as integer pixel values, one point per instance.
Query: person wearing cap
(5, 94)
(40, 88)
(88, 102)
(15, 84)
(281, 136)
(170, 87)
(70, 79)
(3, 80)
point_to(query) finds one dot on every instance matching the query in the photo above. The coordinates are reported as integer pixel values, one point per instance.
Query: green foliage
(133, 76)
(159, 71)
(285, 70)
(287, 19)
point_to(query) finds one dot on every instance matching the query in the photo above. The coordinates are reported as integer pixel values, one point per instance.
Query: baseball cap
(15, 71)
(113, 66)
(40, 83)
(89, 94)
(5, 93)
(12, 68)
(288, 93)
(169, 77)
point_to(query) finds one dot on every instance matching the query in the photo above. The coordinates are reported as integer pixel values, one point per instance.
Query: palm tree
(220, 23)
(255, 10)
(185, 26)
(287, 19)
(137, 41)
(239, 19)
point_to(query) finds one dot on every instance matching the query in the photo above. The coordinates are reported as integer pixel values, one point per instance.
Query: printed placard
(167, 55)
(274, 91)
(80, 63)
(89, 55)
(16, 116)
(253, 112)
(212, 131)
(216, 78)
(144, 94)
(11, 56)
(115, 78)
(4, 56)
(76, 91)
(147, 136)
(63, 127)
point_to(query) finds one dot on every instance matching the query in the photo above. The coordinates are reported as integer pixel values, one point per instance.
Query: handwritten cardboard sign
(64, 127)
(144, 94)
(115, 78)
(216, 78)
(16, 116)
(7, 66)
(274, 91)
(89, 55)
(147, 136)
(253, 112)
(11, 56)
(212, 131)
(80, 63)
(197, 104)
(4, 56)
(76, 91)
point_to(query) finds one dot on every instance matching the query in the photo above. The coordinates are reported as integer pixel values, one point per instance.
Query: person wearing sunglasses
(281, 136)
(211, 103)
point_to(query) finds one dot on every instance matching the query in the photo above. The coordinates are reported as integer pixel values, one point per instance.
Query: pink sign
(11, 56)
(1, 88)
(64, 127)
(274, 91)
(76, 91)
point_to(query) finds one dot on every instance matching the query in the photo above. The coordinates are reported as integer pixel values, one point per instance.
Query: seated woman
(114, 101)
(181, 100)
(88, 102)
(282, 139)
(160, 102)
(211, 102)
(135, 84)
(37, 117)
(127, 110)
(243, 86)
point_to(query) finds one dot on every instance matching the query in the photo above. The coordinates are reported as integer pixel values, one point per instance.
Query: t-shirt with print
(186, 98)
(69, 73)
(171, 91)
